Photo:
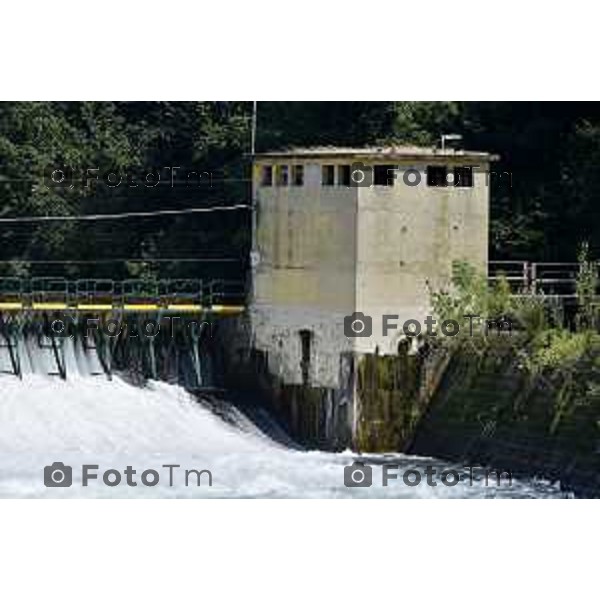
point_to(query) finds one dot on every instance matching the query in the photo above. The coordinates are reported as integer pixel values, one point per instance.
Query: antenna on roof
(450, 137)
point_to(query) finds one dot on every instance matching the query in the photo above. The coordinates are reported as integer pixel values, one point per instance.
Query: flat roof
(377, 152)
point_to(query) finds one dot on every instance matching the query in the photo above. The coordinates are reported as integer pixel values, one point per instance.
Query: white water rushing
(112, 424)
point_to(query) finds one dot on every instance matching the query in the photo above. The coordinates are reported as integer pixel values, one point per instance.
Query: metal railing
(553, 279)
(517, 273)
(97, 292)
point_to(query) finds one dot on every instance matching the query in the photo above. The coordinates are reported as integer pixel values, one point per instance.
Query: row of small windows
(380, 175)
(440, 177)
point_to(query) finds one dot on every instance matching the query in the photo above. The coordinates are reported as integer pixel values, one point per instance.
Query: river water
(112, 425)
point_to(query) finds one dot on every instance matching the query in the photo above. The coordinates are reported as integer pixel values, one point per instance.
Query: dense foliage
(550, 149)
(547, 343)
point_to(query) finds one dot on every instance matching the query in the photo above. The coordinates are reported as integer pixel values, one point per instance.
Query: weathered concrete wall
(276, 331)
(489, 411)
(317, 416)
(408, 238)
(325, 252)
(392, 394)
(305, 277)
(306, 241)
(372, 405)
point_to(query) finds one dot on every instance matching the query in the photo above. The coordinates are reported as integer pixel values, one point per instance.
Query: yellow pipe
(141, 307)
(185, 307)
(222, 308)
(94, 307)
(49, 306)
(11, 306)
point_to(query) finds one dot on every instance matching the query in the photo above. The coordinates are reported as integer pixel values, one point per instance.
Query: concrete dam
(296, 356)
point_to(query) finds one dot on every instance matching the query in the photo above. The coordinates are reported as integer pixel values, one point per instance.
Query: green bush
(471, 294)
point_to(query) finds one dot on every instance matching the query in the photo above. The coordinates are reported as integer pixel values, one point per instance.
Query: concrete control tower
(340, 231)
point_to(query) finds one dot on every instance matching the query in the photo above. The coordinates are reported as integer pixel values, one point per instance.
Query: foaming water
(111, 424)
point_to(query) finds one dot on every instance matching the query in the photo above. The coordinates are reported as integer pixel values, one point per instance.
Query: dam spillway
(113, 424)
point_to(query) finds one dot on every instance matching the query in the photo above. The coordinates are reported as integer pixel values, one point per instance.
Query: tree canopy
(551, 150)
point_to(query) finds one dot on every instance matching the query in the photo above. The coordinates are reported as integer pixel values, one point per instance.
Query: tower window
(384, 175)
(436, 176)
(463, 176)
(328, 175)
(298, 174)
(266, 178)
(344, 175)
(283, 175)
